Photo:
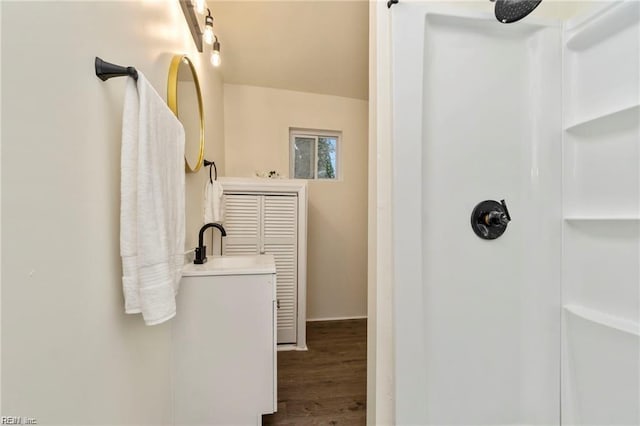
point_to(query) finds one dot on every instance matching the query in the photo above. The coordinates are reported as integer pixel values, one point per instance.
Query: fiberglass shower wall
(478, 114)
(601, 218)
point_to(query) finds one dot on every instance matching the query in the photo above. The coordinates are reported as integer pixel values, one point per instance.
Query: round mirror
(185, 100)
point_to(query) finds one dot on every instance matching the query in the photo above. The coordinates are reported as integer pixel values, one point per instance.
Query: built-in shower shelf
(632, 110)
(604, 24)
(603, 218)
(604, 319)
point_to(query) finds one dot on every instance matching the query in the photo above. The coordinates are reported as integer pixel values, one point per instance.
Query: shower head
(508, 11)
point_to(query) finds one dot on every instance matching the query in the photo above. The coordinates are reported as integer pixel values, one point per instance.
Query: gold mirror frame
(172, 101)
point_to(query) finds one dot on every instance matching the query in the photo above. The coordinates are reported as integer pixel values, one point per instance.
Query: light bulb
(216, 60)
(200, 6)
(208, 28)
(208, 34)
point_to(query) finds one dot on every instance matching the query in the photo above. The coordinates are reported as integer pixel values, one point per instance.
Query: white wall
(69, 353)
(0, 213)
(257, 122)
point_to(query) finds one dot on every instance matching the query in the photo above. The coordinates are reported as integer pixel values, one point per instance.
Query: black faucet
(201, 250)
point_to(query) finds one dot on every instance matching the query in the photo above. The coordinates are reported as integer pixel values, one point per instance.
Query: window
(314, 154)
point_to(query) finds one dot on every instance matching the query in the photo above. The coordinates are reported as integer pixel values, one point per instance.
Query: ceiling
(315, 46)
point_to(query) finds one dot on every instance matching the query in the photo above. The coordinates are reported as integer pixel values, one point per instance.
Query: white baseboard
(336, 318)
(291, 347)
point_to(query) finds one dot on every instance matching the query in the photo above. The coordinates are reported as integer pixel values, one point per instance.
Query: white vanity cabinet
(270, 216)
(224, 369)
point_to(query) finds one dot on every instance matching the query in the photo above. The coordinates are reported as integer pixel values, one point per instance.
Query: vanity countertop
(232, 265)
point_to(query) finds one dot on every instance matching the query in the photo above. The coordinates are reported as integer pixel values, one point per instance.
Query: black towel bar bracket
(106, 70)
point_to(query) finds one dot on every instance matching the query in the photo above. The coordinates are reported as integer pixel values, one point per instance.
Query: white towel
(212, 202)
(152, 210)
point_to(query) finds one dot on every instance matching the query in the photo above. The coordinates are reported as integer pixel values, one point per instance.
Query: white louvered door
(242, 217)
(279, 238)
(259, 224)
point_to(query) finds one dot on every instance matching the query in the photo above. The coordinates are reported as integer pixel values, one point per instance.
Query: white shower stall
(539, 326)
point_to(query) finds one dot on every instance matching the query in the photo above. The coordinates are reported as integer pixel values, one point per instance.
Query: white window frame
(315, 134)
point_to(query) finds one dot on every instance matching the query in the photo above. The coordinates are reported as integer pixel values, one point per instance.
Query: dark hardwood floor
(326, 385)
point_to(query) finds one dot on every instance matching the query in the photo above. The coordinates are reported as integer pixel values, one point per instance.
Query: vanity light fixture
(193, 15)
(208, 28)
(216, 60)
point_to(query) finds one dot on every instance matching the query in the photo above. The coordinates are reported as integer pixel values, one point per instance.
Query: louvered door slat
(286, 289)
(242, 215)
(280, 230)
(280, 217)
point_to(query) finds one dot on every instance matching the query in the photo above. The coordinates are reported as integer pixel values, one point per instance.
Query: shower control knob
(489, 219)
(496, 218)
